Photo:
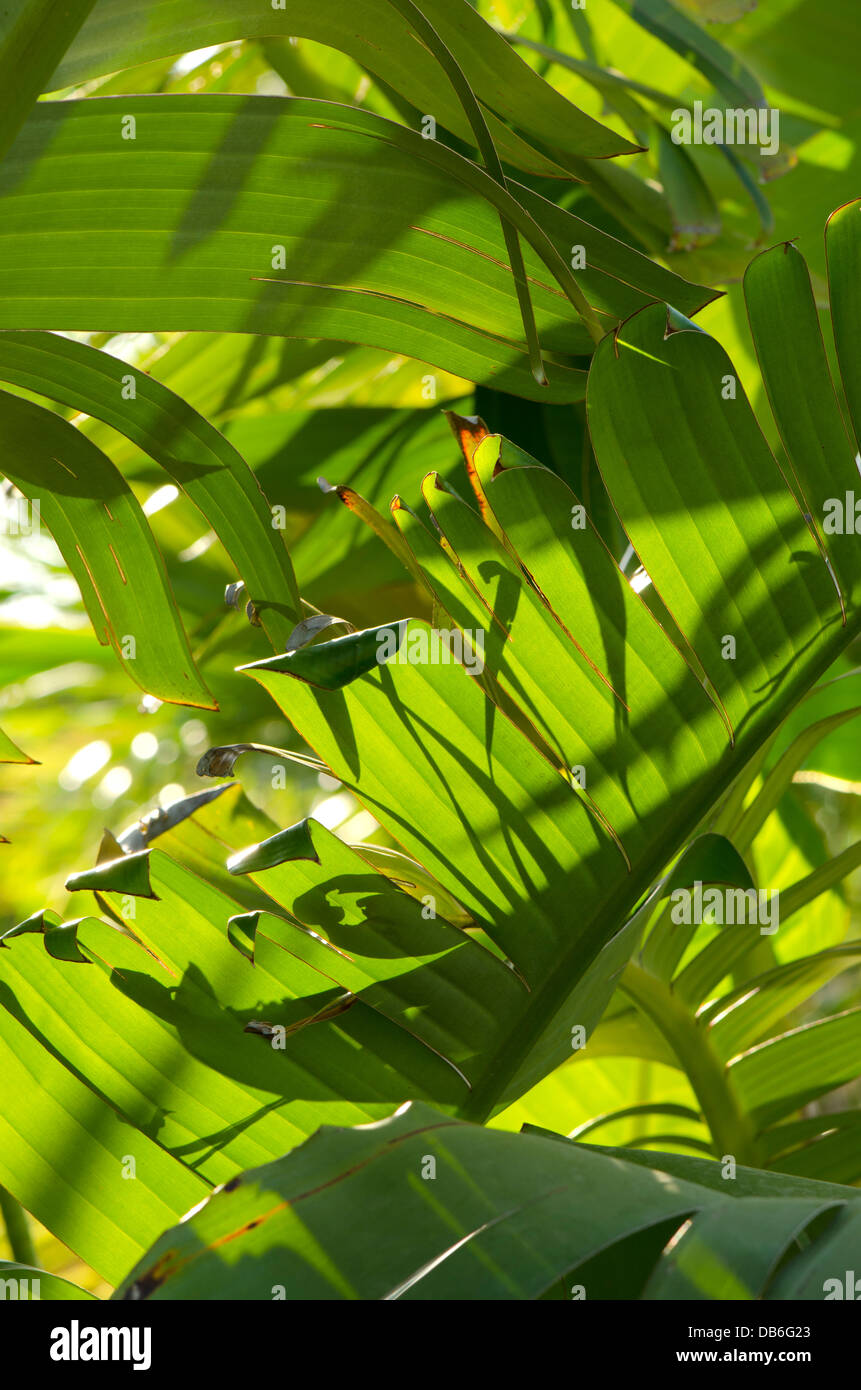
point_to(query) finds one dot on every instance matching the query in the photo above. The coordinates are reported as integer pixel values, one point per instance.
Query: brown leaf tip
(469, 431)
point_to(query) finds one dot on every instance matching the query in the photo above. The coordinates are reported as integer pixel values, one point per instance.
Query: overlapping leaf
(100, 528)
(423, 1207)
(215, 203)
(381, 39)
(34, 36)
(193, 454)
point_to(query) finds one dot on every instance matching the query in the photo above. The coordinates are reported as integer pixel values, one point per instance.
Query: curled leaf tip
(128, 874)
(218, 762)
(469, 431)
(109, 849)
(137, 836)
(266, 1030)
(233, 596)
(310, 627)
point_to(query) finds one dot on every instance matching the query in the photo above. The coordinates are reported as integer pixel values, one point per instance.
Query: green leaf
(34, 36)
(101, 530)
(11, 753)
(710, 860)
(378, 718)
(61, 938)
(724, 69)
(718, 11)
(415, 880)
(820, 880)
(778, 780)
(188, 448)
(790, 1071)
(826, 1146)
(411, 739)
(173, 1061)
(661, 462)
(678, 1111)
(731, 1253)
(748, 1013)
(86, 1201)
(36, 1283)
(211, 187)
(795, 370)
(297, 974)
(696, 217)
(822, 1270)
(125, 32)
(127, 875)
(421, 1206)
(428, 35)
(843, 250)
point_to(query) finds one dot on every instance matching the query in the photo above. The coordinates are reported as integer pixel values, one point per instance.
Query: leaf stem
(732, 1129)
(484, 140)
